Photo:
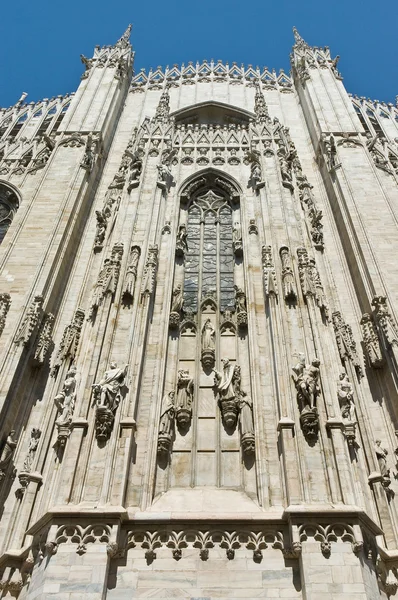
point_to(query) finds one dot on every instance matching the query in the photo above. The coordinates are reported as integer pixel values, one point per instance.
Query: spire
(163, 108)
(260, 106)
(299, 40)
(124, 41)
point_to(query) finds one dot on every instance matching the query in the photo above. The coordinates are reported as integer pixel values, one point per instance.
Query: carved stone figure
(102, 224)
(237, 239)
(185, 388)
(70, 340)
(107, 395)
(381, 454)
(7, 453)
(310, 280)
(181, 243)
(246, 423)
(227, 386)
(306, 378)
(166, 425)
(371, 342)
(98, 292)
(33, 444)
(208, 344)
(177, 303)
(345, 394)
(65, 400)
(30, 321)
(112, 273)
(241, 308)
(288, 282)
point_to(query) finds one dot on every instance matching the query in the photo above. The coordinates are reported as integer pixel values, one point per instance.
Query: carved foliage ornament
(371, 342)
(45, 343)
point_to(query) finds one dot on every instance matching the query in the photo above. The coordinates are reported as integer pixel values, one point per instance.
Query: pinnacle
(124, 41)
(299, 41)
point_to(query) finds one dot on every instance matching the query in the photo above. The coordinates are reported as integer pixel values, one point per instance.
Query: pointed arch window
(209, 264)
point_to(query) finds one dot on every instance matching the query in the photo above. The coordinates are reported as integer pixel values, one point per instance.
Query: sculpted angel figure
(107, 391)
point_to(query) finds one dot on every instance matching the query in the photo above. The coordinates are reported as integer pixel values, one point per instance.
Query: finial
(298, 39)
(22, 98)
(124, 41)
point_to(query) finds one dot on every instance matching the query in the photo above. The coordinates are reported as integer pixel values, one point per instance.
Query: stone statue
(177, 301)
(185, 388)
(65, 400)
(306, 380)
(131, 274)
(246, 423)
(181, 244)
(241, 308)
(345, 394)
(107, 391)
(167, 415)
(227, 385)
(208, 335)
(237, 238)
(33, 444)
(6, 453)
(381, 454)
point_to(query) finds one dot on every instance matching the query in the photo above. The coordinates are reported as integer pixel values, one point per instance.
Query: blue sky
(40, 43)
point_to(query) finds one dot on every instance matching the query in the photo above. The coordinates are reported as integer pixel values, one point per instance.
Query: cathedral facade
(199, 335)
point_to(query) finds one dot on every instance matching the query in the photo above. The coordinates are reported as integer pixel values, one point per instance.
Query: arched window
(9, 204)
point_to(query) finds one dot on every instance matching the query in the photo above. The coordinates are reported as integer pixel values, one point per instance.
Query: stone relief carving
(288, 282)
(181, 243)
(269, 275)
(82, 536)
(107, 397)
(185, 389)
(27, 465)
(30, 322)
(305, 377)
(166, 425)
(345, 342)
(70, 340)
(241, 308)
(371, 342)
(131, 274)
(326, 534)
(5, 303)
(385, 321)
(149, 277)
(65, 403)
(208, 354)
(253, 229)
(237, 239)
(7, 454)
(310, 280)
(45, 342)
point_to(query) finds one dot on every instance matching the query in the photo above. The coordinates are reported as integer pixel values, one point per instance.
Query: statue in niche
(227, 386)
(6, 453)
(166, 424)
(65, 402)
(345, 394)
(289, 285)
(381, 454)
(237, 239)
(177, 303)
(241, 308)
(208, 344)
(185, 388)
(306, 381)
(131, 274)
(181, 244)
(33, 444)
(246, 423)
(107, 396)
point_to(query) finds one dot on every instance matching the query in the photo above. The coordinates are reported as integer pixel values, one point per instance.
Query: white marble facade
(199, 340)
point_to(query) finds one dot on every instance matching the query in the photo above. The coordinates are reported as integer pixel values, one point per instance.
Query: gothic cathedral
(199, 335)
